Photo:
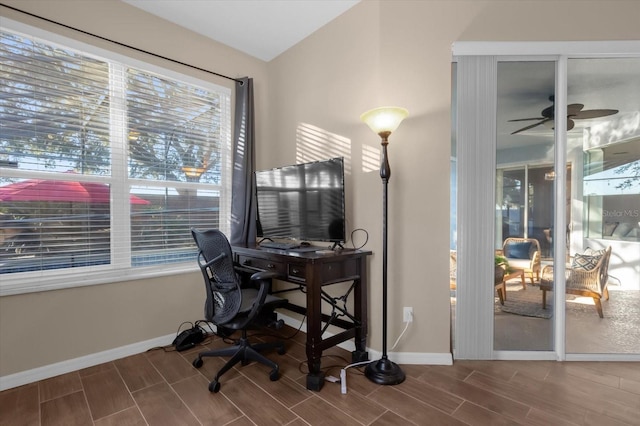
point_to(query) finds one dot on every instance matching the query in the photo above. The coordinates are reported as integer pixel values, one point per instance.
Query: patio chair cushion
(585, 262)
(520, 250)
(593, 252)
(519, 263)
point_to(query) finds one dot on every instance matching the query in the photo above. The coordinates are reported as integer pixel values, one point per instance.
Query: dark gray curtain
(243, 204)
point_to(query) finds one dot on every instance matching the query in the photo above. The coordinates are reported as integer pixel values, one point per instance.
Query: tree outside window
(155, 145)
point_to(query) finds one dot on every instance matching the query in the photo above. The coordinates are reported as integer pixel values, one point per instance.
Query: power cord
(327, 368)
(406, 326)
(304, 318)
(338, 247)
(343, 371)
(366, 240)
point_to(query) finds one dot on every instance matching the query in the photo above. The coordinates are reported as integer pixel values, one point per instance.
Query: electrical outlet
(407, 314)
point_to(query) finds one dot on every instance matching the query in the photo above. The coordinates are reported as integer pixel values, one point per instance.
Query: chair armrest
(264, 275)
(263, 279)
(243, 269)
(535, 261)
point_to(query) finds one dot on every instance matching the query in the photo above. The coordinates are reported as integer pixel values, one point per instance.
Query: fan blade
(528, 119)
(574, 109)
(594, 113)
(531, 126)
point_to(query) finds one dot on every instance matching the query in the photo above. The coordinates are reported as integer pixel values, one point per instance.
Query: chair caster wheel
(214, 386)
(274, 375)
(197, 363)
(281, 350)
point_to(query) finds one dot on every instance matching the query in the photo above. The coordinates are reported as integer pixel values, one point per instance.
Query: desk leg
(360, 308)
(315, 380)
(315, 377)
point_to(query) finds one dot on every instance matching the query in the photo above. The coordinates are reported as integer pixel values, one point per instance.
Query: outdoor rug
(527, 302)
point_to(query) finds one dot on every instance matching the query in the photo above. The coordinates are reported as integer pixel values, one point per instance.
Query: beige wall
(399, 52)
(391, 52)
(38, 329)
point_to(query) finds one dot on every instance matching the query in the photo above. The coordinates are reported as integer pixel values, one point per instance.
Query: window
(611, 189)
(105, 164)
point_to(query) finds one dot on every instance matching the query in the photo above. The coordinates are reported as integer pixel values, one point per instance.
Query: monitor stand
(337, 246)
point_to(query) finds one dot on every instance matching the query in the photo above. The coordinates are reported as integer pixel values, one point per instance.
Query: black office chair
(232, 306)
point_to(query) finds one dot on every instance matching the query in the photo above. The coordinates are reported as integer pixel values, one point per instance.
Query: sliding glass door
(524, 205)
(602, 297)
(554, 143)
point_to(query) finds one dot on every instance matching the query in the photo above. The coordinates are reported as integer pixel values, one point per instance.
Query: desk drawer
(337, 271)
(297, 272)
(262, 264)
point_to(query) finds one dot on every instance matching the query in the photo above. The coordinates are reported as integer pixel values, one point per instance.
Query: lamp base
(384, 372)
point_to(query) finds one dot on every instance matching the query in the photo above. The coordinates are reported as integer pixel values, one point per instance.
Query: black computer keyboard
(278, 245)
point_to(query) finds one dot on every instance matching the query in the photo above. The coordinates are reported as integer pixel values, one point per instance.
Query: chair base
(242, 352)
(548, 286)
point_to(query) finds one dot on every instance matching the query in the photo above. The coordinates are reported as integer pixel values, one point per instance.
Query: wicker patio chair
(587, 276)
(523, 253)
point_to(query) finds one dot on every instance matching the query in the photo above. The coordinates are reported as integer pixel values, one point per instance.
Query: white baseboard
(45, 372)
(52, 370)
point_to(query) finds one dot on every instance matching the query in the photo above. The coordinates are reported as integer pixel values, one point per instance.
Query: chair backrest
(604, 270)
(594, 267)
(520, 248)
(224, 294)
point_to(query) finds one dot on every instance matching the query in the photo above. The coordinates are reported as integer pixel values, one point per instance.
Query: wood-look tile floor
(162, 388)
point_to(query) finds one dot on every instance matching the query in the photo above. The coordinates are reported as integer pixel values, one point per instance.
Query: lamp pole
(385, 175)
(383, 121)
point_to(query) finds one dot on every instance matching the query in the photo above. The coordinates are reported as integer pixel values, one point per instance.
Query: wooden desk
(312, 271)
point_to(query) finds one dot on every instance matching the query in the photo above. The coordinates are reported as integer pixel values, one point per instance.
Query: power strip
(343, 375)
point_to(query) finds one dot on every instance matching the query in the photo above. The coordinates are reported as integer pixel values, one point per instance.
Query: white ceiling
(524, 89)
(261, 28)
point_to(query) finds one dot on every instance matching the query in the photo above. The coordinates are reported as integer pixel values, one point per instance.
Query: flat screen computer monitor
(302, 202)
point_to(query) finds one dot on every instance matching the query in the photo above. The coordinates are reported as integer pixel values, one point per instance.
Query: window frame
(55, 279)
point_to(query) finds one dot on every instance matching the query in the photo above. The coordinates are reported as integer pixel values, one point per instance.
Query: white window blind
(104, 165)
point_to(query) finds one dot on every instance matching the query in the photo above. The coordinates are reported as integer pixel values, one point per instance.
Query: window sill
(46, 282)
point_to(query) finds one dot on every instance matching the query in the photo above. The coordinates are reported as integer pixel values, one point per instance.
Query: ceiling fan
(574, 112)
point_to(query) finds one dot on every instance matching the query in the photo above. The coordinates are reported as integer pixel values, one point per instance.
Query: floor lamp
(383, 121)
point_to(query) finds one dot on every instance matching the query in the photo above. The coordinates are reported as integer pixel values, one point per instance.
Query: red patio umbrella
(60, 190)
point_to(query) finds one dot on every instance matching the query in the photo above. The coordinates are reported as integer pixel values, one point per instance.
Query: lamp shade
(384, 119)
